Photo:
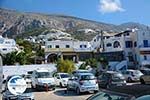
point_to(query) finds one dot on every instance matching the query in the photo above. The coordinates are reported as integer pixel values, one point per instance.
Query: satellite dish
(16, 85)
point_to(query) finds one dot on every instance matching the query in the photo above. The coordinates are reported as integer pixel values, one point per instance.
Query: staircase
(121, 65)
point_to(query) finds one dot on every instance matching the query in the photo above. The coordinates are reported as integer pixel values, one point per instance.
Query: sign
(17, 85)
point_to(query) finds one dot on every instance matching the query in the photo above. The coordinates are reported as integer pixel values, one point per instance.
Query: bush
(65, 66)
(83, 66)
(91, 62)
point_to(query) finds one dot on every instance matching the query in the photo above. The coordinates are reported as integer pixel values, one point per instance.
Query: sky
(108, 11)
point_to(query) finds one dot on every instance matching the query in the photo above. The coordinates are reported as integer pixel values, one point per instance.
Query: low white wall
(23, 69)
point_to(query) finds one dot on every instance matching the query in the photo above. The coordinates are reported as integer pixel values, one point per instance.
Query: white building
(128, 48)
(134, 45)
(68, 49)
(7, 45)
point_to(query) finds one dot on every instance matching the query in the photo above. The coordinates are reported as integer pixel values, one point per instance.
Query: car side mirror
(70, 79)
(58, 77)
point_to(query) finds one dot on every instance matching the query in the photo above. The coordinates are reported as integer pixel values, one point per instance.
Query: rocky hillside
(15, 23)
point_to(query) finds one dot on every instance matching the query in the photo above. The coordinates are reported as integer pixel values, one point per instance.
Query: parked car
(7, 95)
(42, 79)
(145, 79)
(145, 97)
(132, 75)
(110, 95)
(111, 78)
(83, 82)
(61, 79)
(28, 79)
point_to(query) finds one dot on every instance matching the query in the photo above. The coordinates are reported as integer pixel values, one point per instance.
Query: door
(57, 79)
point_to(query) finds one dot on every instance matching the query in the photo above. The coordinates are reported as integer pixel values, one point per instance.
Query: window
(108, 44)
(80, 46)
(116, 44)
(145, 42)
(7, 42)
(128, 44)
(145, 57)
(49, 46)
(4, 49)
(85, 46)
(67, 46)
(135, 44)
(57, 46)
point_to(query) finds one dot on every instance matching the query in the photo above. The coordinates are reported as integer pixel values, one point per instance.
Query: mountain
(14, 23)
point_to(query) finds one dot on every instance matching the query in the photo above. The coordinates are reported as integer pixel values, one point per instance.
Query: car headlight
(64, 80)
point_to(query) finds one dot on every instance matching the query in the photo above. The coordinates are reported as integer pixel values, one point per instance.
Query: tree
(9, 58)
(65, 66)
(14, 57)
(103, 65)
(91, 62)
(83, 66)
(21, 58)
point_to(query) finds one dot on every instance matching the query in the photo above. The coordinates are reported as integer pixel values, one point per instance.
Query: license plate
(13, 98)
(90, 88)
(119, 84)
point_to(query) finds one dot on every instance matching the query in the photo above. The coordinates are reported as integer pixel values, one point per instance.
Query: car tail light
(96, 81)
(110, 81)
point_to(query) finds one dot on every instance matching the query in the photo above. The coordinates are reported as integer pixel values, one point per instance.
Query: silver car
(83, 82)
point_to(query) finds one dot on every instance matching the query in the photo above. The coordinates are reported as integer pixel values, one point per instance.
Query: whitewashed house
(7, 45)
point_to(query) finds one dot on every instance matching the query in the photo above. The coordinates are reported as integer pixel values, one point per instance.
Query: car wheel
(142, 81)
(32, 86)
(61, 85)
(95, 91)
(107, 86)
(68, 88)
(129, 79)
(78, 91)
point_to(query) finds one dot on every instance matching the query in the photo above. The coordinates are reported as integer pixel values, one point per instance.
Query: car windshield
(44, 75)
(137, 72)
(87, 77)
(107, 96)
(147, 66)
(64, 76)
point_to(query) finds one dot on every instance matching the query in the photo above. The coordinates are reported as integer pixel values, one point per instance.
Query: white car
(61, 79)
(42, 79)
(83, 82)
(132, 75)
(28, 79)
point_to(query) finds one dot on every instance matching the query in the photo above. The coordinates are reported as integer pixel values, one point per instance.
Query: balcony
(83, 49)
(59, 50)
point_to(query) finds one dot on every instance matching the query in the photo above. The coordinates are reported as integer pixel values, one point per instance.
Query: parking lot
(61, 94)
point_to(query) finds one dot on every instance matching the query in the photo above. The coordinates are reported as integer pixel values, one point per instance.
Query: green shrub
(65, 66)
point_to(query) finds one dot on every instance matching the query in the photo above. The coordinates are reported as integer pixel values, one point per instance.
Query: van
(42, 79)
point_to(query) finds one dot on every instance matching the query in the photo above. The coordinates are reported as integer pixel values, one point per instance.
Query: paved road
(59, 94)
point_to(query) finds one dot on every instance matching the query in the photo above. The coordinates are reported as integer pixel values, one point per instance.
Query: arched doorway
(51, 58)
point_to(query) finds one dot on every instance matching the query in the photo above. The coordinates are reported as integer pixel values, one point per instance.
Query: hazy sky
(109, 11)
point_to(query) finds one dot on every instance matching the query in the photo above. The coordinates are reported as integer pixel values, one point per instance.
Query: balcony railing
(68, 49)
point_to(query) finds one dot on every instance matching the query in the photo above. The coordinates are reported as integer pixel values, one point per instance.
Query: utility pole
(1, 76)
(102, 41)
